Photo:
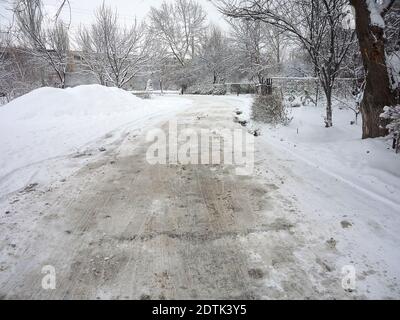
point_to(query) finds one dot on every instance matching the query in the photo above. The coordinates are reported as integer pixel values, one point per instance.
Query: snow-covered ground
(368, 165)
(39, 129)
(319, 200)
(347, 189)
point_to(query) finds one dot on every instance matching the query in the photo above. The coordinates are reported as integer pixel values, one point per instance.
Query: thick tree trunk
(377, 93)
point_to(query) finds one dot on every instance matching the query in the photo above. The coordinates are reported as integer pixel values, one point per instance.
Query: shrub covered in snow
(207, 89)
(219, 90)
(392, 114)
(243, 88)
(270, 109)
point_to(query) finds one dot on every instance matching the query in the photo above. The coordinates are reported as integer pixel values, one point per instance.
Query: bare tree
(92, 53)
(160, 64)
(215, 55)
(315, 24)
(252, 48)
(179, 26)
(278, 41)
(49, 45)
(113, 54)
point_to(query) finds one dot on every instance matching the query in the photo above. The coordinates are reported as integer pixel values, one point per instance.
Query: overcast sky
(82, 10)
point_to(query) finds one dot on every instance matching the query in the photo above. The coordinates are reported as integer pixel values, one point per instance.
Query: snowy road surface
(120, 228)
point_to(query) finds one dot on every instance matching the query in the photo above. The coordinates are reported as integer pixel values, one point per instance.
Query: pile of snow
(49, 123)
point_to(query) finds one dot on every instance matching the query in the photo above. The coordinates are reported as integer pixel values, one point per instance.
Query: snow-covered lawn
(347, 190)
(368, 165)
(39, 129)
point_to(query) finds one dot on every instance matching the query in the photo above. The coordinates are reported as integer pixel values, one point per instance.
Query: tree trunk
(377, 93)
(327, 88)
(329, 118)
(183, 89)
(317, 94)
(62, 81)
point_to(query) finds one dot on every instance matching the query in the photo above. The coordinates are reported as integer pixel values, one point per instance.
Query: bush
(243, 88)
(392, 114)
(219, 90)
(270, 109)
(207, 89)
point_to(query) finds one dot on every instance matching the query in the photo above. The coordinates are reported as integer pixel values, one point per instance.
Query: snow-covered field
(39, 129)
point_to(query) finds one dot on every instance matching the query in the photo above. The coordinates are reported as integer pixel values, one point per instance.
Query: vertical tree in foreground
(370, 28)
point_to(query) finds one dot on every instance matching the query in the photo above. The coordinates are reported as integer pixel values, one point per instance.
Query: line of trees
(177, 45)
(319, 26)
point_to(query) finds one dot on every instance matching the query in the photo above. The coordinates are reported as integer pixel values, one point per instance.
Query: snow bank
(48, 123)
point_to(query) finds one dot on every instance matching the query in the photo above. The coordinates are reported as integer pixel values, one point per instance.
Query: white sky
(82, 10)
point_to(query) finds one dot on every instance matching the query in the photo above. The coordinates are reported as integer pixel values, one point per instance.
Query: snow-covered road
(120, 228)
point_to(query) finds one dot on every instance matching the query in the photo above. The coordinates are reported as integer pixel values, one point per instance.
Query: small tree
(179, 26)
(125, 49)
(216, 55)
(112, 53)
(252, 48)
